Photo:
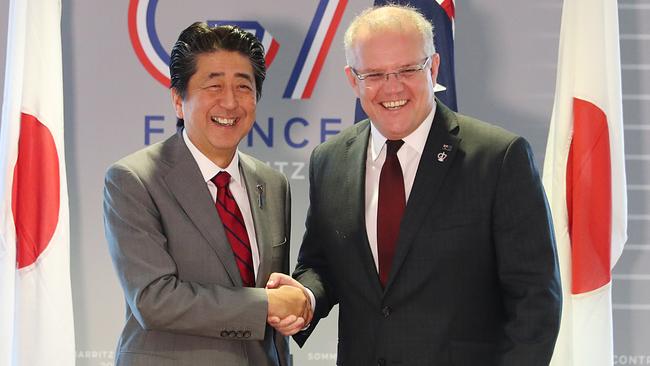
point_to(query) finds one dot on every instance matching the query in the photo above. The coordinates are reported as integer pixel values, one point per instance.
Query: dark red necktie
(392, 201)
(233, 224)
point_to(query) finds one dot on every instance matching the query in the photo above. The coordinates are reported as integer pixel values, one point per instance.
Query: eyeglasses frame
(398, 73)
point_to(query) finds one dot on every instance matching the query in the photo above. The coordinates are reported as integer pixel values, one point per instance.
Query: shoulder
(349, 135)
(483, 138)
(149, 161)
(483, 133)
(491, 145)
(479, 140)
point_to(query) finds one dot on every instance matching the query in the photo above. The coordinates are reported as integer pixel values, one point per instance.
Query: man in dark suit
(428, 228)
(196, 227)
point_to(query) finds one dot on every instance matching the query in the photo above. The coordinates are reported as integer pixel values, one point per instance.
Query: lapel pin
(442, 156)
(446, 147)
(260, 195)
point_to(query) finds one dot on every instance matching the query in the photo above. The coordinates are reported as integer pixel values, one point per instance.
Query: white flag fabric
(584, 178)
(35, 296)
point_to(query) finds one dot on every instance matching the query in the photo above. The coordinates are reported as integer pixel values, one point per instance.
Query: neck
(222, 160)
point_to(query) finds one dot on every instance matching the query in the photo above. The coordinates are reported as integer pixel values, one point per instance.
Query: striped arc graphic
(153, 61)
(140, 24)
(152, 54)
(314, 49)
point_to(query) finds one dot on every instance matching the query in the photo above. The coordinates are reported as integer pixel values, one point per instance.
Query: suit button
(386, 310)
(224, 333)
(381, 362)
(247, 334)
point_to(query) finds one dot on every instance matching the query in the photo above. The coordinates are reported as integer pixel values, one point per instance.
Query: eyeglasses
(404, 73)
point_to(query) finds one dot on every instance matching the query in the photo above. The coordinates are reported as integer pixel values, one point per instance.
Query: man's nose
(228, 99)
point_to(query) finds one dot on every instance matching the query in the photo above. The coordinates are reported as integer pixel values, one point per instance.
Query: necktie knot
(393, 146)
(221, 180)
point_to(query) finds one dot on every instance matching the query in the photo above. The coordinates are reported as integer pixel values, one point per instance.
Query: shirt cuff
(312, 301)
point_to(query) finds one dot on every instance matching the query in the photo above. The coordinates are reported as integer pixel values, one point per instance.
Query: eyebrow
(242, 75)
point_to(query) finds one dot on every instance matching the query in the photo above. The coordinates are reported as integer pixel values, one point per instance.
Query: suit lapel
(255, 189)
(186, 184)
(355, 158)
(438, 155)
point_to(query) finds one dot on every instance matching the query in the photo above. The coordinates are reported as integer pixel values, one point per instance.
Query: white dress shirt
(237, 187)
(409, 156)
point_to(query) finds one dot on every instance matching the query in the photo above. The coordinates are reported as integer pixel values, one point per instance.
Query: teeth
(223, 121)
(394, 104)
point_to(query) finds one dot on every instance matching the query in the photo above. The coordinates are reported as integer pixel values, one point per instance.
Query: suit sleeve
(158, 299)
(312, 269)
(527, 261)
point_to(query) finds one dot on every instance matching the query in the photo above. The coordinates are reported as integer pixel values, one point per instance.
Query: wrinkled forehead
(389, 45)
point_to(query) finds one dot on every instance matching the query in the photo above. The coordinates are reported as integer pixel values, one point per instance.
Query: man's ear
(177, 101)
(435, 64)
(352, 80)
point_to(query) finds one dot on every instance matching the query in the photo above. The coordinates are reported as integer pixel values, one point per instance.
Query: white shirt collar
(208, 168)
(416, 140)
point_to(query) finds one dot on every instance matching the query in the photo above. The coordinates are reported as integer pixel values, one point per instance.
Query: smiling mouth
(223, 121)
(394, 104)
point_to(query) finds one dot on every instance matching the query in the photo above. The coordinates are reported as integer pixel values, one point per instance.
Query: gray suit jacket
(185, 304)
(474, 279)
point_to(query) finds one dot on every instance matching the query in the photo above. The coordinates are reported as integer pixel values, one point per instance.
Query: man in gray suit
(195, 227)
(428, 228)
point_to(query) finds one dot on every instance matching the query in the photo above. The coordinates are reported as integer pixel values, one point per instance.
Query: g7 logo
(308, 65)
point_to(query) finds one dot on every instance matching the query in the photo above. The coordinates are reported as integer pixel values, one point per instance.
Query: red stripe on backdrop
(36, 190)
(271, 53)
(589, 200)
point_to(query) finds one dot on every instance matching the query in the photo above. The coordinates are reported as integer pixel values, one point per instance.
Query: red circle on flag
(35, 191)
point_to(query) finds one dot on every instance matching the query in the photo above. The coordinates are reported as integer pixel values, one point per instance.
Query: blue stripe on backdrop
(444, 41)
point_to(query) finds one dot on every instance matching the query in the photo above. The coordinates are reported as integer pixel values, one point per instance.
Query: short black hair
(199, 38)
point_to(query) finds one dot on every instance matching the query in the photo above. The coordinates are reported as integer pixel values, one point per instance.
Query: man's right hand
(287, 300)
(290, 308)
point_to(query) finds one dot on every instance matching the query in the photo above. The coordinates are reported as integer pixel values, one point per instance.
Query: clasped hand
(289, 305)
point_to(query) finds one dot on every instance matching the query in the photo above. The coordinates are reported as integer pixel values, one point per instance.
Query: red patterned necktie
(233, 224)
(392, 201)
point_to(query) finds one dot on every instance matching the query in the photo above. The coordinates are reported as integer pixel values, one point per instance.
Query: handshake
(290, 307)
